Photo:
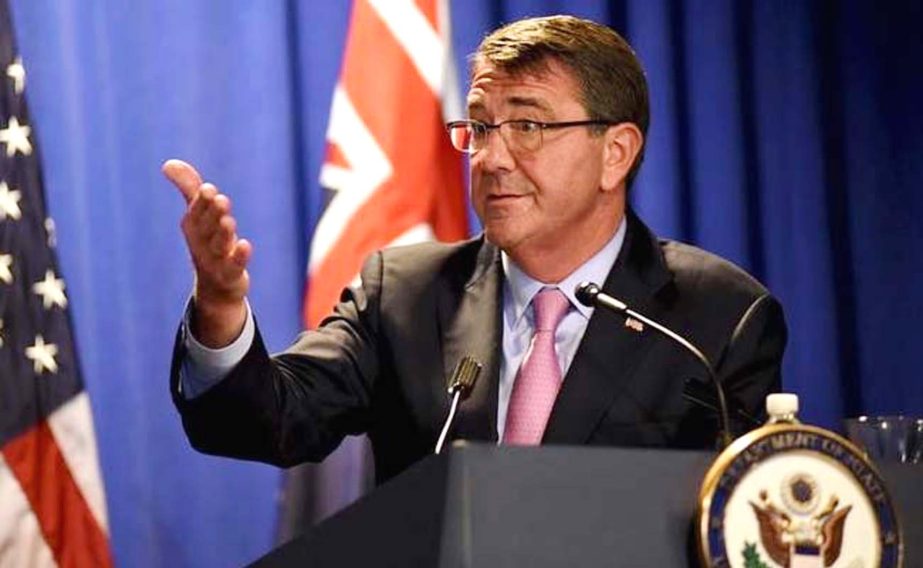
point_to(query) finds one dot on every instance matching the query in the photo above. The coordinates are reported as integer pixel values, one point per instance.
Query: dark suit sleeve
(751, 367)
(296, 406)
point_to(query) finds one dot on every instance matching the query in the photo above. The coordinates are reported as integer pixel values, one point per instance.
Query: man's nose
(495, 153)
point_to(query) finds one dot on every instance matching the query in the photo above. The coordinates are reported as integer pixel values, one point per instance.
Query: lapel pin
(633, 324)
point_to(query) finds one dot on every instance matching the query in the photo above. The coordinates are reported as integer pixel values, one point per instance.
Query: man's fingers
(232, 267)
(183, 176)
(221, 242)
(242, 252)
(202, 201)
(206, 211)
(217, 207)
(220, 258)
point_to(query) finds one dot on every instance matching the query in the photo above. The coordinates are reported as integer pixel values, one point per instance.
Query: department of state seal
(793, 495)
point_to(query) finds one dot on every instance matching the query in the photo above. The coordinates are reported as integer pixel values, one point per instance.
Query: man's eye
(525, 126)
(479, 128)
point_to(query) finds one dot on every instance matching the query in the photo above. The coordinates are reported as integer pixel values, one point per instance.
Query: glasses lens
(523, 135)
(461, 135)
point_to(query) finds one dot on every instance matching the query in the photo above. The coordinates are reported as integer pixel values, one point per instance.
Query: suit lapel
(470, 324)
(609, 352)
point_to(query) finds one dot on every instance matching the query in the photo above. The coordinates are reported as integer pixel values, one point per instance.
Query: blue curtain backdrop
(786, 136)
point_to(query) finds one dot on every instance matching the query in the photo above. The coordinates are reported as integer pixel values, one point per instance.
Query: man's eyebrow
(529, 102)
(477, 105)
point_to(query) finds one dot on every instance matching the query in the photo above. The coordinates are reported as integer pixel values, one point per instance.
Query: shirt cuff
(204, 367)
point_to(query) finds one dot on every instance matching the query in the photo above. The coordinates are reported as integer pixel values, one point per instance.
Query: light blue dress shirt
(204, 367)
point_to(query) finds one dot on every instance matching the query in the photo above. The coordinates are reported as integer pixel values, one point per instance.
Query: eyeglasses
(469, 136)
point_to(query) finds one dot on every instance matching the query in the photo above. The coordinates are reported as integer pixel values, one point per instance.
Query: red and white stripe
(396, 178)
(54, 509)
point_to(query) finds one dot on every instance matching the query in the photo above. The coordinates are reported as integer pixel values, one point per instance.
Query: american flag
(52, 505)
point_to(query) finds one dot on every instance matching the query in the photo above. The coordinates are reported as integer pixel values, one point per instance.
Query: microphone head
(586, 293)
(466, 374)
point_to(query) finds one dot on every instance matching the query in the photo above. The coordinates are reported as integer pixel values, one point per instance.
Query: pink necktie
(539, 378)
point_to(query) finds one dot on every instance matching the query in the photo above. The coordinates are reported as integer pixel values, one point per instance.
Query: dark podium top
(483, 505)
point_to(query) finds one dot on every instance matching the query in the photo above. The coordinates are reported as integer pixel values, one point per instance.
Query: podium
(484, 505)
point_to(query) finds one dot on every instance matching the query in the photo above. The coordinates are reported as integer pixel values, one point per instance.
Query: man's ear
(622, 144)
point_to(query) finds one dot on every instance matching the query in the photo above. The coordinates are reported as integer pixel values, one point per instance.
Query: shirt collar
(521, 287)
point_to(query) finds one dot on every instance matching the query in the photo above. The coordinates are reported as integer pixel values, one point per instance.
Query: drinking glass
(893, 438)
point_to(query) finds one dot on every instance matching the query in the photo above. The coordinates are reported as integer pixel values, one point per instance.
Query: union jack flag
(393, 178)
(393, 175)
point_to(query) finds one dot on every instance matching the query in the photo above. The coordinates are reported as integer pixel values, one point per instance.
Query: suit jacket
(380, 363)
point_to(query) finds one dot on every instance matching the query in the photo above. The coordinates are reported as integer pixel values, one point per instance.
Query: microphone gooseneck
(463, 378)
(589, 294)
(703, 395)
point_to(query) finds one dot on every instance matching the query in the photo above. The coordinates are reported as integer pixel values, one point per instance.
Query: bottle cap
(780, 405)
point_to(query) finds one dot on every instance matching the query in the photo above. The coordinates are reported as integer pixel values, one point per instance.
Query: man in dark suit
(558, 111)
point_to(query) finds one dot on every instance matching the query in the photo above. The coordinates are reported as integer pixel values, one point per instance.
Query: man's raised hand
(219, 256)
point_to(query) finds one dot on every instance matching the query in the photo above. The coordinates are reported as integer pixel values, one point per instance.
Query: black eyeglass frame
(542, 126)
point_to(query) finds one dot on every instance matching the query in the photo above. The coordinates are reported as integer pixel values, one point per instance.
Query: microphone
(463, 378)
(591, 295)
